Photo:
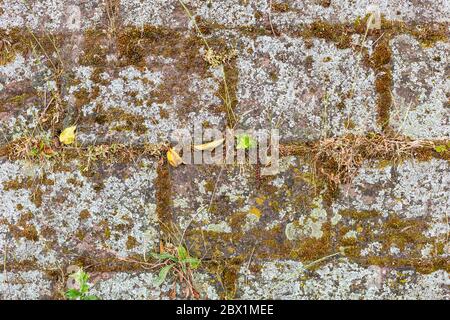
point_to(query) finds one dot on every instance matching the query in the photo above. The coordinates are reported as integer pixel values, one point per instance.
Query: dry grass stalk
(31, 148)
(339, 158)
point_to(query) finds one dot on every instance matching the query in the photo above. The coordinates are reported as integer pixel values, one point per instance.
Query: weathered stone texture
(339, 280)
(141, 286)
(306, 90)
(130, 72)
(227, 211)
(60, 217)
(55, 15)
(421, 88)
(29, 285)
(391, 218)
(80, 15)
(284, 14)
(397, 214)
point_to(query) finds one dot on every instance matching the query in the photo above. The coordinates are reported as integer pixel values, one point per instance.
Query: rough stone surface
(141, 286)
(305, 90)
(421, 88)
(55, 219)
(228, 211)
(285, 14)
(128, 73)
(382, 207)
(52, 15)
(339, 280)
(28, 285)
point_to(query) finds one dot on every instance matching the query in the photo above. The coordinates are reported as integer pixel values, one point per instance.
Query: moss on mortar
(394, 231)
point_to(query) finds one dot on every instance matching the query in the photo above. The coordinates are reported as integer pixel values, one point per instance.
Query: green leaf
(90, 297)
(163, 274)
(182, 253)
(163, 256)
(194, 263)
(80, 277)
(84, 288)
(72, 294)
(34, 152)
(440, 148)
(245, 141)
(183, 266)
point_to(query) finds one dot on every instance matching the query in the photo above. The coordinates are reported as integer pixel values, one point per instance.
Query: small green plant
(82, 293)
(181, 260)
(245, 141)
(177, 260)
(33, 148)
(41, 149)
(441, 148)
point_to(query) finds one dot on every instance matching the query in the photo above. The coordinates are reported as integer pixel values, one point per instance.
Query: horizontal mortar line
(405, 27)
(113, 264)
(146, 149)
(18, 267)
(289, 143)
(35, 267)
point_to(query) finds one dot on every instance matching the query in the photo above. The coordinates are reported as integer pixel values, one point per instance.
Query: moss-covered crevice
(280, 6)
(164, 206)
(227, 92)
(24, 228)
(408, 235)
(26, 42)
(121, 120)
(381, 64)
(337, 160)
(226, 273)
(134, 44)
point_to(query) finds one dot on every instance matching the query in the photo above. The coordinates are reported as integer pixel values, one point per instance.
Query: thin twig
(195, 23)
(270, 17)
(249, 262)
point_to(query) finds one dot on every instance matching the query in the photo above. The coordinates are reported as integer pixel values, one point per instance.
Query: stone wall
(130, 72)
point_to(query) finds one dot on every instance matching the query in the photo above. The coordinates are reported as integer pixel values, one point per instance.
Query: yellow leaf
(174, 158)
(68, 135)
(255, 211)
(260, 201)
(210, 145)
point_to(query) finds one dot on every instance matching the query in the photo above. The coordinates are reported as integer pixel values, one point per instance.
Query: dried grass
(31, 148)
(339, 158)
